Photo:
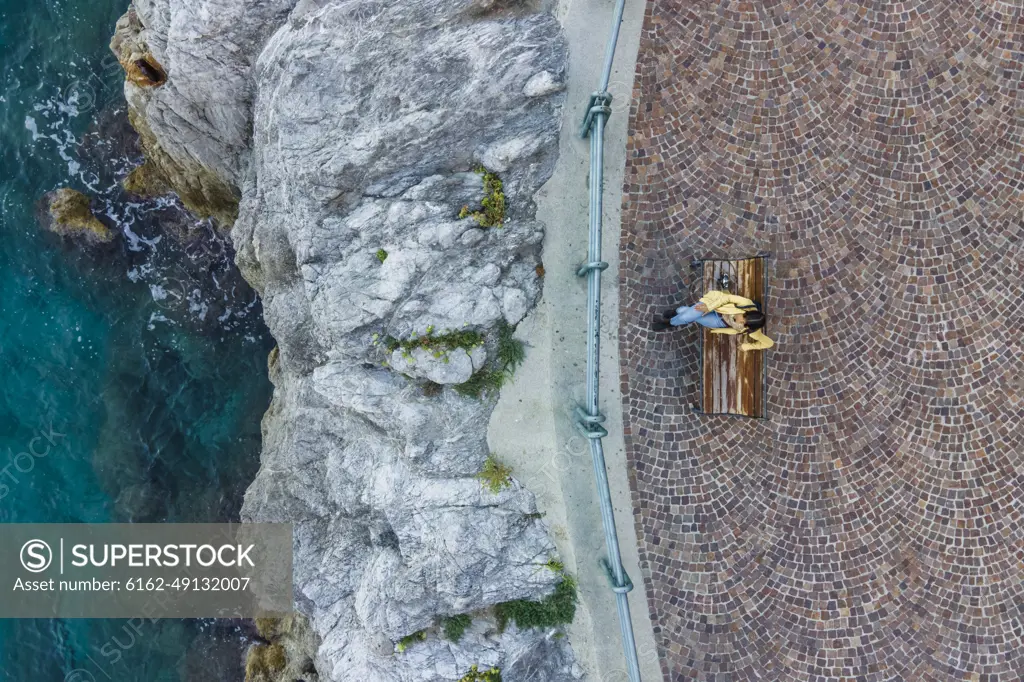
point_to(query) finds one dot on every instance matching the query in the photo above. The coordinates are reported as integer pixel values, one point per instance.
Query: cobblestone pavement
(873, 528)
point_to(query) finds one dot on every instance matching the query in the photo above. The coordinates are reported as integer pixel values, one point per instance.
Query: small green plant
(382, 255)
(492, 211)
(555, 565)
(475, 675)
(495, 476)
(557, 609)
(442, 343)
(481, 382)
(511, 351)
(455, 626)
(409, 640)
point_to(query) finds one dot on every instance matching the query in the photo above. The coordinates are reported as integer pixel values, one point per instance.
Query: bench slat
(733, 380)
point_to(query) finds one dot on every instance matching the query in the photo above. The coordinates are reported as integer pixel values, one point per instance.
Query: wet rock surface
(127, 221)
(68, 212)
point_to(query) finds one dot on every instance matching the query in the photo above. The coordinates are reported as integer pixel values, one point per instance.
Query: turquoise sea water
(145, 367)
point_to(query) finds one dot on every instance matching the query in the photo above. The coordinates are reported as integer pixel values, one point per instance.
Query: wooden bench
(733, 381)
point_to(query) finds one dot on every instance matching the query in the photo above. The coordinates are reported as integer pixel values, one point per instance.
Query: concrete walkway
(532, 428)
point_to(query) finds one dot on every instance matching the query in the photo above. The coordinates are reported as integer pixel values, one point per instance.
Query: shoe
(660, 325)
(668, 314)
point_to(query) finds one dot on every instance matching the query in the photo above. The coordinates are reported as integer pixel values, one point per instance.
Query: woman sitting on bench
(722, 313)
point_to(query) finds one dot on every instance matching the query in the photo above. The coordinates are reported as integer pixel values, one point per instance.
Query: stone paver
(873, 528)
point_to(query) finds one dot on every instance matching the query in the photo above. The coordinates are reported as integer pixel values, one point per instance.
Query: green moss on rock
(71, 216)
(409, 640)
(437, 343)
(557, 609)
(511, 352)
(269, 628)
(201, 190)
(495, 476)
(146, 181)
(455, 626)
(492, 206)
(264, 661)
(477, 675)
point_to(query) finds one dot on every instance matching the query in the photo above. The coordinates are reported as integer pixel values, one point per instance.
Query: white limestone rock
(347, 127)
(454, 366)
(543, 83)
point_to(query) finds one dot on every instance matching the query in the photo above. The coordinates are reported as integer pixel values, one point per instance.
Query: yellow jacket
(729, 304)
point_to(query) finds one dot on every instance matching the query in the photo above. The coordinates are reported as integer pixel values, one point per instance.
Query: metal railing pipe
(609, 52)
(590, 418)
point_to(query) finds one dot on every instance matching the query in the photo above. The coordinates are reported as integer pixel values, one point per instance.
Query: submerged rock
(68, 212)
(284, 653)
(214, 655)
(350, 128)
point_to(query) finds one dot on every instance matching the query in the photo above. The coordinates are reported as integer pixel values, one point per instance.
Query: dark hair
(754, 320)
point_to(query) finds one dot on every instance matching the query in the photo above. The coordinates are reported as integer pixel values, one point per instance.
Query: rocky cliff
(376, 164)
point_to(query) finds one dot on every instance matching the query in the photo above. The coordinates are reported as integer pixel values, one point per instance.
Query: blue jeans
(686, 314)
